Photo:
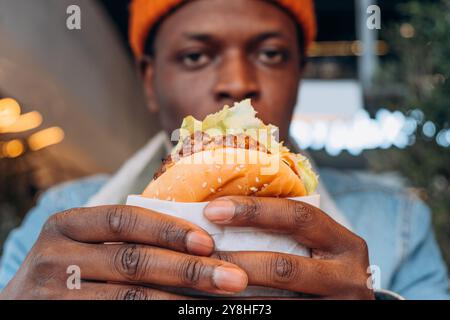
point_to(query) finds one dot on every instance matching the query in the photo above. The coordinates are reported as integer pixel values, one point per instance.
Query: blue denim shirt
(395, 224)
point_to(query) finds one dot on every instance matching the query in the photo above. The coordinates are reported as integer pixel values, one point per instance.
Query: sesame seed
(220, 189)
(265, 185)
(212, 190)
(219, 180)
(253, 189)
(239, 186)
(257, 180)
(204, 184)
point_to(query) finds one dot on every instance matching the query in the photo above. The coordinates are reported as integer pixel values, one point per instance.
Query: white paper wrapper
(231, 238)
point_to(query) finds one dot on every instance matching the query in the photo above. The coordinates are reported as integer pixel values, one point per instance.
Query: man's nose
(236, 79)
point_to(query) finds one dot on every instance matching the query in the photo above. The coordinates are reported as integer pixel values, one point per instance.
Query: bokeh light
(11, 149)
(45, 138)
(9, 112)
(361, 132)
(24, 122)
(407, 31)
(429, 129)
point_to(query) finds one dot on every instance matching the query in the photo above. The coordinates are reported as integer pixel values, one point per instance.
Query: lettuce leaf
(309, 178)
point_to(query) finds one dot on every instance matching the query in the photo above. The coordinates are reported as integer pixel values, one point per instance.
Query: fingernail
(220, 211)
(230, 279)
(199, 243)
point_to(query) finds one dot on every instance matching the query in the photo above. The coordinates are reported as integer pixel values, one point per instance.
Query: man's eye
(271, 56)
(195, 59)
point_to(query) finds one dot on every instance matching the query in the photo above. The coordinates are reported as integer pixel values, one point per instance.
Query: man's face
(214, 52)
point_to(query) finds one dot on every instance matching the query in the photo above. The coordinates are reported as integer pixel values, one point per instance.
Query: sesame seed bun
(209, 174)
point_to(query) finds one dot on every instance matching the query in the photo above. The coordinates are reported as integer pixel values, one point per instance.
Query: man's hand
(146, 250)
(339, 263)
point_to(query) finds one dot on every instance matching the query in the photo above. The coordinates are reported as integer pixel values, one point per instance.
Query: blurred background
(372, 99)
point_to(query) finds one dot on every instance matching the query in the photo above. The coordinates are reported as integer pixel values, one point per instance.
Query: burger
(231, 152)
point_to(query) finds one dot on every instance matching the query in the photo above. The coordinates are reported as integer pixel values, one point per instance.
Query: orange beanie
(144, 14)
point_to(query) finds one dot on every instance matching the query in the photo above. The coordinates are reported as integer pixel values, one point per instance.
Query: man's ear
(147, 69)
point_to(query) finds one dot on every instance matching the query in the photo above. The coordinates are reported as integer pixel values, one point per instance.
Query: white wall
(80, 80)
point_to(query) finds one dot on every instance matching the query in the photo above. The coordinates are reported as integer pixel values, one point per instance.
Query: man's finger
(110, 291)
(130, 224)
(290, 272)
(138, 264)
(307, 224)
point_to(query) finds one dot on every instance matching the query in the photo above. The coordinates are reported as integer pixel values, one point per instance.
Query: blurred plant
(419, 69)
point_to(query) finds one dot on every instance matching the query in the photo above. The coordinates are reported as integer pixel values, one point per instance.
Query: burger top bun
(230, 152)
(210, 174)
